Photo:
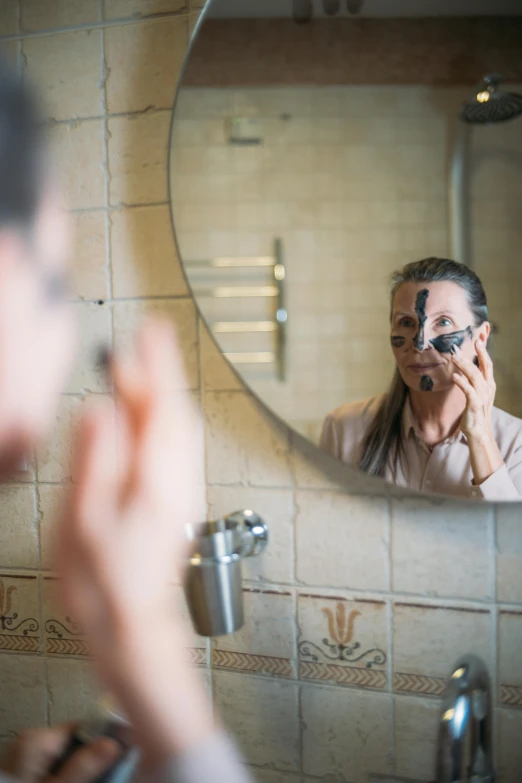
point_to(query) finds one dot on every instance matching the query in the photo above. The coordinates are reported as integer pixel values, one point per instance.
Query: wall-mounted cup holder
(214, 579)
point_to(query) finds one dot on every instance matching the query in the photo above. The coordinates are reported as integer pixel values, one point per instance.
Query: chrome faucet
(464, 752)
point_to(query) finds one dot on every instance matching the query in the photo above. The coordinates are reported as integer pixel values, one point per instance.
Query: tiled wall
(363, 601)
(354, 181)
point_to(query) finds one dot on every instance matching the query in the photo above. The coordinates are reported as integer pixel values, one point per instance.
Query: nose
(421, 341)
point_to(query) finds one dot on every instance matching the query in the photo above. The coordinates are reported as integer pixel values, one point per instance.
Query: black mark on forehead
(445, 342)
(420, 311)
(426, 383)
(397, 341)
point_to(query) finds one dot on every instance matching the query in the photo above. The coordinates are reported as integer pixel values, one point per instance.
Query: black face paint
(397, 341)
(445, 342)
(420, 311)
(426, 383)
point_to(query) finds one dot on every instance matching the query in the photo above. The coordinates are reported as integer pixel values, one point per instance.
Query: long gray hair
(382, 438)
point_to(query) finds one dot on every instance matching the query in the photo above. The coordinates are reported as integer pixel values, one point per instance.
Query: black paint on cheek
(397, 341)
(426, 383)
(445, 342)
(420, 310)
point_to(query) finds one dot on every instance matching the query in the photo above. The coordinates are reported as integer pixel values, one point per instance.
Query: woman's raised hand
(478, 386)
(137, 485)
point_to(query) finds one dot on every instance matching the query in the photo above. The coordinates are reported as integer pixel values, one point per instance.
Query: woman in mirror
(436, 429)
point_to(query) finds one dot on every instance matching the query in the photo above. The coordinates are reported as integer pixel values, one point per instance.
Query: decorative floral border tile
(343, 642)
(253, 664)
(19, 613)
(419, 684)
(63, 636)
(511, 695)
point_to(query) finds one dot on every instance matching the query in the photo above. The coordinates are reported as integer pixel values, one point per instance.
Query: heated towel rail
(273, 289)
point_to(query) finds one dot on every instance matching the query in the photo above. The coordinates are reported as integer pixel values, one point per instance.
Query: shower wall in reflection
(354, 180)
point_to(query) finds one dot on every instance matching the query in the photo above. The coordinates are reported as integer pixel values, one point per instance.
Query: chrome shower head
(491, 104)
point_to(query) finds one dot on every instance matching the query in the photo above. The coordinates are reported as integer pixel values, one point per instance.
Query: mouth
(423, 368)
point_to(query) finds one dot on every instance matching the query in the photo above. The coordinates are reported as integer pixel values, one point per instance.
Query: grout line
(150, 110)
(99, 25)
(106, 170)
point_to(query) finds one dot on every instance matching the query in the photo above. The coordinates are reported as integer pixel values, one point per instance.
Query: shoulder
(344, 427)
(353, 413)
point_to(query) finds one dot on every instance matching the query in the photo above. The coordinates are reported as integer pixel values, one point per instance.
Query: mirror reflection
(346, 186)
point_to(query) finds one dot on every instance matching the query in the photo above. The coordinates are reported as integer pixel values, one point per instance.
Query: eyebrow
(434, 315)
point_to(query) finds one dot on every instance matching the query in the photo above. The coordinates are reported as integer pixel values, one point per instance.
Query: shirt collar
(409, 426)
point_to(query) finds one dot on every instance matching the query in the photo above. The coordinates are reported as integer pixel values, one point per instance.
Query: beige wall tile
(276, 507)
(267, 735)
(51, 499)
(416, 724)
(18, 528)
(345, 733)
(67, 69)
(342, 541)
(20, 630)
(38, 15)
(9, 17)
(138, 150)
(120, 9)
(90, 275)
(313, 469)
(217, 374)
(338, 636)
(54, 459)
(10, 50)
(95, 333)
(509, 662)
(77, 162)
(243, 444)
(428, 640)
(144, 258)
(22, 693)
(509, 553)
(261, 775)
(144, 62)
(268, 635)
(440, 550)
(509, 747)
(129, 315)
(72, 689)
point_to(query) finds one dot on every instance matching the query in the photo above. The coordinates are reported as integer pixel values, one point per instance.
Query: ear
(484, 332)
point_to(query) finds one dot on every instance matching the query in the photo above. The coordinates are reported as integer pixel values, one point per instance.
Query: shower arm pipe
(458, 192)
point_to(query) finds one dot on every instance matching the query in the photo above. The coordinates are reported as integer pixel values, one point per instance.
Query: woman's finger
(94, 489)
(469, 370)
(164, 438)
(485, 361)
(471, 395)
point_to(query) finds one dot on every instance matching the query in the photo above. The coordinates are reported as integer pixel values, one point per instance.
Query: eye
(444, 321)
(407, 322)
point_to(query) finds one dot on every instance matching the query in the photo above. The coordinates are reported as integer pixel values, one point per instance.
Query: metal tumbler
(214, 579)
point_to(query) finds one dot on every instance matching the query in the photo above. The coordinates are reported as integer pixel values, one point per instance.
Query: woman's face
(427, 319)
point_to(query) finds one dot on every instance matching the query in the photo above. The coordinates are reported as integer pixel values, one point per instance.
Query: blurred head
(436, 303)
(36, 328)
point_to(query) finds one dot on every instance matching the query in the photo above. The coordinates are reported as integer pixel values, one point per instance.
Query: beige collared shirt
(446, 468)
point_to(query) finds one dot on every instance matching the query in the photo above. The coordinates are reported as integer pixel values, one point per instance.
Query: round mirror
(346, 188)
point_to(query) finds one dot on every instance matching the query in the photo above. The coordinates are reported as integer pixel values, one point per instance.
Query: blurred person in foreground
(123, 534)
